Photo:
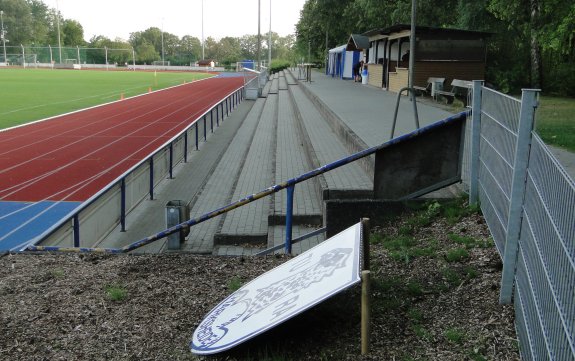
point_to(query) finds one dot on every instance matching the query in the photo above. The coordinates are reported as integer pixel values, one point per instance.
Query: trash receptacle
(176, 212)
(364, 75)
(436, 85)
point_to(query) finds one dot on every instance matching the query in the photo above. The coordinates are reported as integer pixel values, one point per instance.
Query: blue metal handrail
(289, 184)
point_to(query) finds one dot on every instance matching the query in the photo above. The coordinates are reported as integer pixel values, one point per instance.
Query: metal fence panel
(544, 294)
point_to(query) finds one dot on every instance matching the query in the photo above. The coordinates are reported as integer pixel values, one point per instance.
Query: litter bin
(364, 75)
(177, 212)
(436, 85)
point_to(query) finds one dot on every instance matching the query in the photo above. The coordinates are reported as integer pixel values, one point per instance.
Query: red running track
(72, 157)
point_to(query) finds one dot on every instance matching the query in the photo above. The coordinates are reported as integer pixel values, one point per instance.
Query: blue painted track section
(230, 75)
(21, 222)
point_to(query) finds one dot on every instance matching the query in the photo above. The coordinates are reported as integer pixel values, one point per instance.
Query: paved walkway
(368, 111)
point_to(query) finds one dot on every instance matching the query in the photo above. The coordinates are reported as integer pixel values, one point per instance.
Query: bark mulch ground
(435, 297)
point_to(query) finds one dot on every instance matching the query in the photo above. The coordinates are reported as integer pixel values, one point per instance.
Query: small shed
(439, 52)
(340, 62)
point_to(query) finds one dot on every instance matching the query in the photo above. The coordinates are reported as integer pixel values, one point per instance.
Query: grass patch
(555, 123)
(116, 293)
(457, 255)
(414, 289)
(57, 273)
(421, 332)
(403, 248)
(235, 283)
(32, 94)
(415, 315)
(454, 335)
(451, 276)
(470, 272)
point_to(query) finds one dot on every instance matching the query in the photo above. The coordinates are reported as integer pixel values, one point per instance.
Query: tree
(41, 23)
(72, 33)
(146, 53)
(18, 21)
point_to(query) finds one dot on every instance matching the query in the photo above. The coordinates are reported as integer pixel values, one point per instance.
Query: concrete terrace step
(277, 237)
(274, 88)
(283, 85)
(266, 89)
(248, 224)
(149, 216)
(291, 80)
(291, 161)
(217, 189)
(349, 181)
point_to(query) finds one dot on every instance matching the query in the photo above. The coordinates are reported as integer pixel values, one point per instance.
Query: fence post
(520, 163)
(475, 143)
(212, 121)
(205, 129)
(289, 220)
(217, 116)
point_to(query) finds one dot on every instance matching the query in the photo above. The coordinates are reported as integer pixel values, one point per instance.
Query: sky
(119, 18)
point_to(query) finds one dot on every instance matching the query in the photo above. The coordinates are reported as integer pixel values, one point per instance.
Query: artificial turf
(27, 95)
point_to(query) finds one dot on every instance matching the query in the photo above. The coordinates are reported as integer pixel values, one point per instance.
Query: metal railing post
(151, 178)
(217, 116)
(415, 115)
(205, 129)
(76, 230)
(475, 143)
(212, 121)
(123, 205)
(186, 146)
(518, 182)
(171, 161)
(289, 218)
(197, 147)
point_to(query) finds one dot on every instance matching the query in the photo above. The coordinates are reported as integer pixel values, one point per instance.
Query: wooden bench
(430, 81)
(460, 89)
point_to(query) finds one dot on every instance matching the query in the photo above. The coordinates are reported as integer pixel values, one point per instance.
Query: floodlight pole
(58, 26)
(3, 33)
(270, 38)
(203, 41)
(162, 36)
(259, 38)
(412, 45)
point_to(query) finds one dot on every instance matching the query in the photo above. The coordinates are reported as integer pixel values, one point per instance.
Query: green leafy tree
(18, 22)
(146, 53)
(72, 33)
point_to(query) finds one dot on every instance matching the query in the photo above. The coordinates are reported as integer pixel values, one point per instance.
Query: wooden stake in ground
(365, 312)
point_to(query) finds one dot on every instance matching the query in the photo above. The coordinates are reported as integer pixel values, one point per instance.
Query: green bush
(278, 65)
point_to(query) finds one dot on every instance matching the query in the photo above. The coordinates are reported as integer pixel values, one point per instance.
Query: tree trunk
(536, 65)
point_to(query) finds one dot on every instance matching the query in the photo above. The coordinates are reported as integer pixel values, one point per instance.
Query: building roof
(357, 42)
(423, 29)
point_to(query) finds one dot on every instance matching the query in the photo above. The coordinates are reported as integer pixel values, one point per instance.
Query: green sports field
(31, 94)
